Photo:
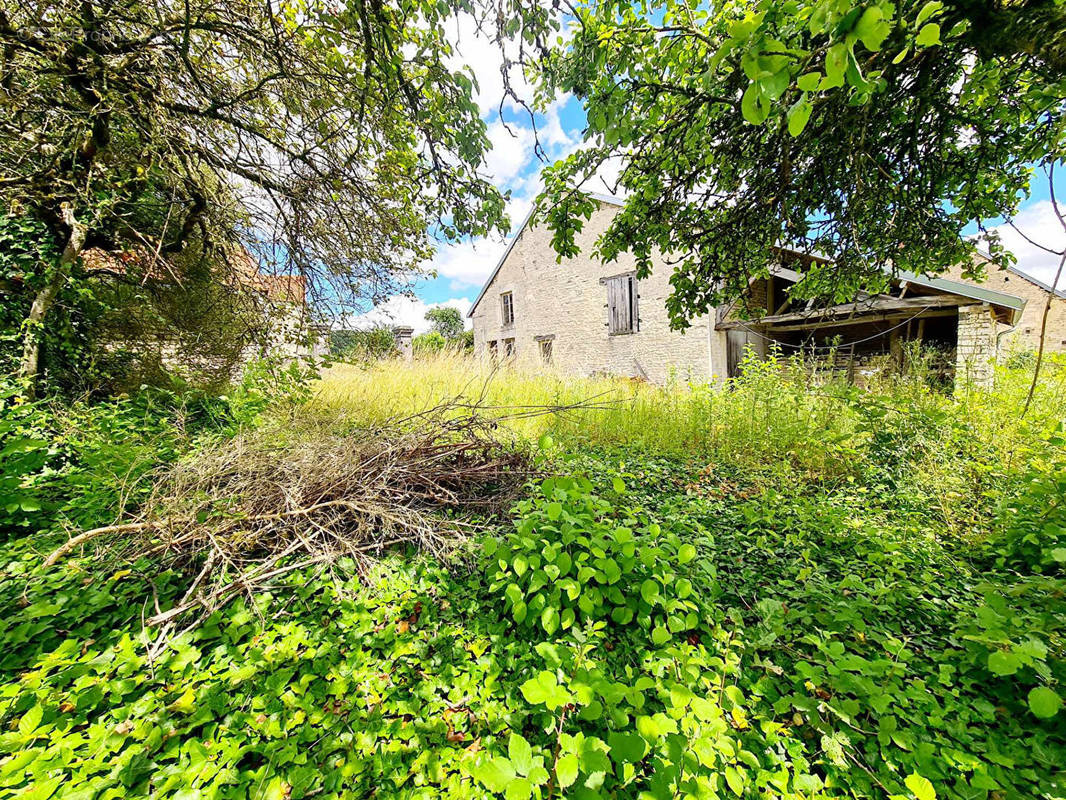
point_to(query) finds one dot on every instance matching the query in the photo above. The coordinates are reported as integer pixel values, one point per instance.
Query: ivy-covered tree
(327, 137)
(872, 133)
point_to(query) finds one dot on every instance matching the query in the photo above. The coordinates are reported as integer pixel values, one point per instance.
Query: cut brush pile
(243, 513)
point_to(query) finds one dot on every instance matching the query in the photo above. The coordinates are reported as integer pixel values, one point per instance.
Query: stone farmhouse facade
(586, 317)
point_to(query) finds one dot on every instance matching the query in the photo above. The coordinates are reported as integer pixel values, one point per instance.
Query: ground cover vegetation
(789, 588)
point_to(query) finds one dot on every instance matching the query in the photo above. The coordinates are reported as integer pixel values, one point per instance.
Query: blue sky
(462, 268)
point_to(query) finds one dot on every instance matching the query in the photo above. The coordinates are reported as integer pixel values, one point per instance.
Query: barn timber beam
(895, 316)
(854, 312)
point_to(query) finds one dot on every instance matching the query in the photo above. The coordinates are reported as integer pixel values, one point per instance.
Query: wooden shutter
(621, 304)
(614, 297)
(631, 306)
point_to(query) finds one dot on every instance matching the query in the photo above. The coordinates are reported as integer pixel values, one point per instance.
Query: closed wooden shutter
(621, 304)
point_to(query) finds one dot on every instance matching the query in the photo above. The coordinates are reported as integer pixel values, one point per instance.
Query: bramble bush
(575, 557)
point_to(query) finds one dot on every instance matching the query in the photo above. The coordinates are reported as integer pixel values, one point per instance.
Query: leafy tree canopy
(448, 322)
(869, 133)
(332, 137)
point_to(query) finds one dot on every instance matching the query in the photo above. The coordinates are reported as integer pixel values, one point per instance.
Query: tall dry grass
(779, 413)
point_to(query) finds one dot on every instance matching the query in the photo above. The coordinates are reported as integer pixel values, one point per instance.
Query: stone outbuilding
(1026, 333)
(587, 317)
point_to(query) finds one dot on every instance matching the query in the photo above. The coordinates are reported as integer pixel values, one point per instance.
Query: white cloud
(468, 264)
(553, 134)
(483, 56)
(1039, 223)
(511, 153)
(403, 310)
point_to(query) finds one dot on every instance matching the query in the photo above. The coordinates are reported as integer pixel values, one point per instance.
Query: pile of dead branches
(241, 514)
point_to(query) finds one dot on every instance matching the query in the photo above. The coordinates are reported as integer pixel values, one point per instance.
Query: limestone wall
(568, 300)
(975, 354)
(1026, 335)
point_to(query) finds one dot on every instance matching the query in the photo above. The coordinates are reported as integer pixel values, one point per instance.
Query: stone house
(266, 315)
(586, 317)
(1026, 334)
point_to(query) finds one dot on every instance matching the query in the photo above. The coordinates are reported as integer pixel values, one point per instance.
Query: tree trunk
(42, 303)
(1043, 333)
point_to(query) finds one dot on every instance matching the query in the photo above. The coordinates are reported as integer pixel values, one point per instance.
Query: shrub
(80, 464)
(363, 345)
(576, 558)
(1030, 532)
(426, 344)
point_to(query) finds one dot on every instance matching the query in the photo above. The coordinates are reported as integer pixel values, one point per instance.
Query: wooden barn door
(737, 340)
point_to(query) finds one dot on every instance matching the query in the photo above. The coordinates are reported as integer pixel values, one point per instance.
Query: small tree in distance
(448, 322)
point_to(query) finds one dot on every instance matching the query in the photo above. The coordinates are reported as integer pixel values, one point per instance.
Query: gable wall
(567, 299)
(1026, 335)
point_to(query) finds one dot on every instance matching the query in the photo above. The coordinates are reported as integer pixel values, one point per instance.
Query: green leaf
(649, 590)
(549, 619)
(30, 720)
(534, 689)
(520, 753)
(798, 115)
(550, 653)
(566, 770)
(808, 82)
(836, 61)
(626, 748)
(774, 86)
(686, 553)
(566, 619)
(735, 780)
(928, 35)
(872, 29)
(495, 773)
(1044, 702)
(920, 786)
(519, 612)
(618, 485)
(545, 689)
(276, 789)
(930, 8)
(553, 510)
(1003, 662)
(753, 105)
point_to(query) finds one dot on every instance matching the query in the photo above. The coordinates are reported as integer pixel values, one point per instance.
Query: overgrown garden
(782, 589)
(222, 576)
